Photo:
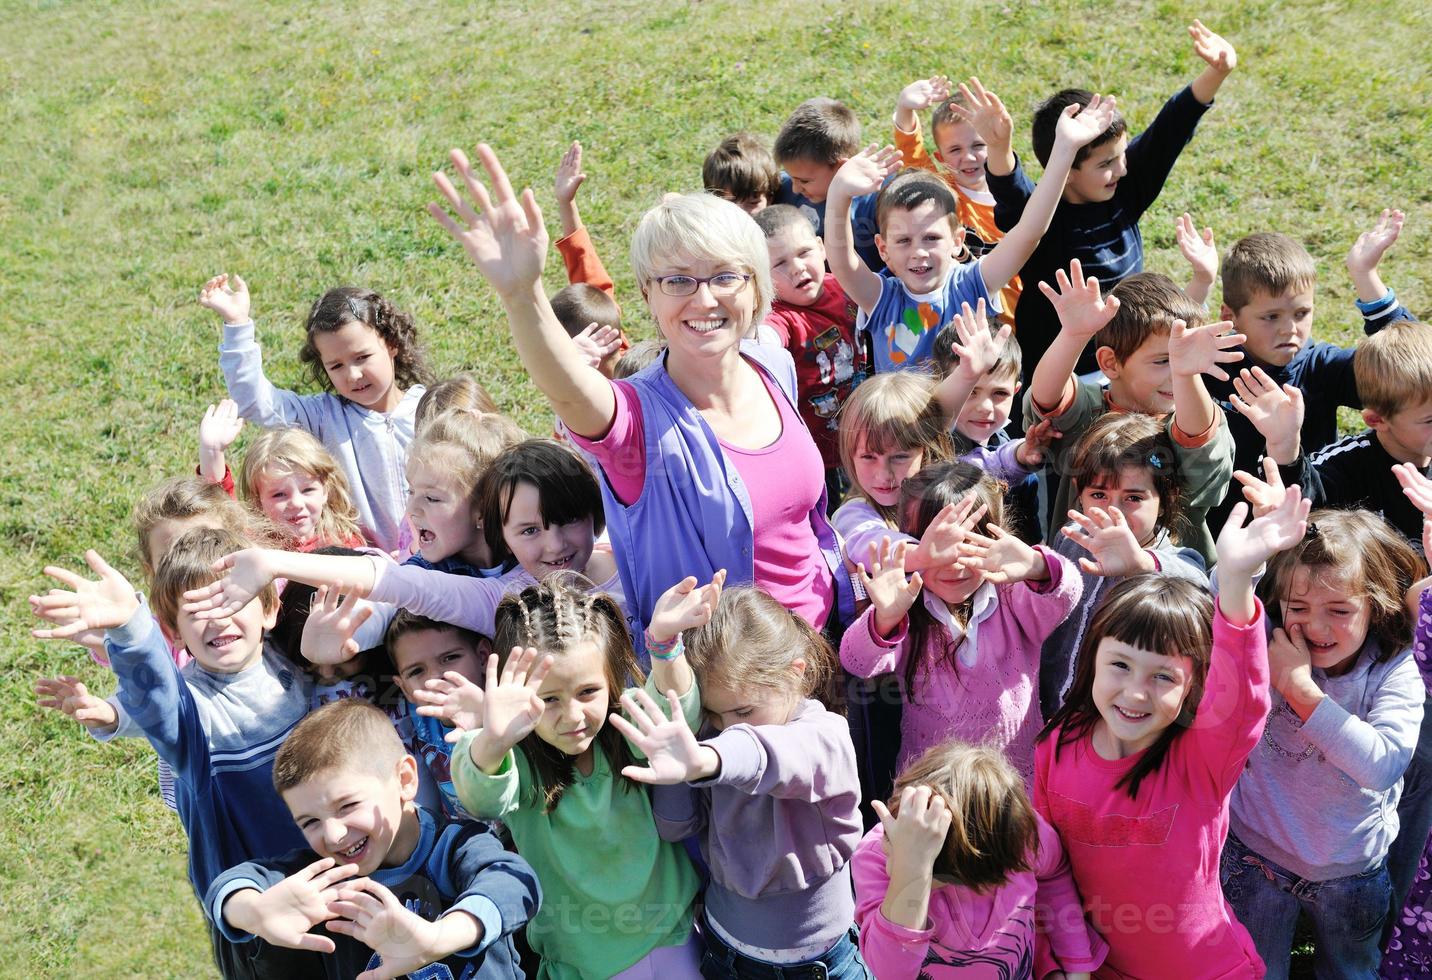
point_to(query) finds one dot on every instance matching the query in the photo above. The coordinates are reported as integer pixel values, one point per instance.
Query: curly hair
(339, 307)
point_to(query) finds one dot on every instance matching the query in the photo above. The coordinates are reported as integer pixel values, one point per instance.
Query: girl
(962, 872)
(1130, 493)
(1314, 813)
(365, 351)
(967, 652)
(292, 479)
(772, 792)
(1136, 768)
(460, 391)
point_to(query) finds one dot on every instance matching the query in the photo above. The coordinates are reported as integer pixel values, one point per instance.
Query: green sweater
(612, 889)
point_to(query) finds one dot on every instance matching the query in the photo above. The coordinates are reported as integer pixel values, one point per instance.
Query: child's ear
(1225, 312)
(798, 665)
(1018, 386)
(880, 247)
(171, 635)
(1373, 419)
(407, 773)
(271, 616)
(1108, 362)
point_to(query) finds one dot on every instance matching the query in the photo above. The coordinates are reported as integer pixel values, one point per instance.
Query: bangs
(1171, 616)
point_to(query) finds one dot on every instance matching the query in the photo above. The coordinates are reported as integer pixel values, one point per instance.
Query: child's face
(228, 645)
(962, 151)
(811, 179)
(360, 365)
(424, 655)
(748, 204)
(1333, 620)
(1143, 382)
(163, 535)
(1131, 492)
(1138, 693)
(1097, 178)
(986, 410)
(952, 584)
(1277, 327)
(544, 550)
(577, 699)
(294, 499)
(441, 515)
(1406, 434)
(797, 264)
(357, 817)
(919, 246)
(725, 706)
(880, 474)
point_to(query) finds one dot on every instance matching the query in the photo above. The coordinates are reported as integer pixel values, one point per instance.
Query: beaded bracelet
(669, 650)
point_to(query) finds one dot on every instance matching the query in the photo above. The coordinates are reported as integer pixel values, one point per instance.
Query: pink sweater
(970, 933)
(996, 700)
(1148, 867)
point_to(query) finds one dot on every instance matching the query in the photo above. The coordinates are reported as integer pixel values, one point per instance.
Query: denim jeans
(841, 962)
(1348, 913)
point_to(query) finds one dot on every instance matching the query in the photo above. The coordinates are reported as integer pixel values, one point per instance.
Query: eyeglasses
(721, 284)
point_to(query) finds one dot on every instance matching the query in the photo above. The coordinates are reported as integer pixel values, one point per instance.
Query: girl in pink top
(1135, 770)
(962, 874)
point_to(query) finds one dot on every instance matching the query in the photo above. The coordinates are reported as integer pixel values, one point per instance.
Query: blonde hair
(347, 736)
(459, 391)
(1393, 367)
(1265, 263)
(752, 642)
(462, 443)
(703, 227)
(891, 411)
(294, 450)
(184, 498)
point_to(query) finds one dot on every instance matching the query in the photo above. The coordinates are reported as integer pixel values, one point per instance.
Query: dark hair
(942, 352)
(742, 166)
(190, 565)
(1046, 118)
(567, 490)
(820, 130)
(909, 190)
(553, 617)
(1149, 302)
(580, 304)
(339, 307)
(1170, 615)
(1119, 439)
(295, 602)
(778, 217)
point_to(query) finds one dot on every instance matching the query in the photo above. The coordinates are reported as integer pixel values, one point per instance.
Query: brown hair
(460, 391)
(945, 115)
(1011, 358)
(742, 166)
(183, 498)
(912, 188)
(1363, 554)
(1117, 440)
(339, 307)
(1158, 612)
(993, 831)
(294, 450)
(1046, 121)
(820, 130)
(1149, 302)
(350, 735)
(752, 641)
(1393, 367)
(553, 617)
(190, 565)
(579, 305)
(1267, 263)
(407, 622)
(890, 411)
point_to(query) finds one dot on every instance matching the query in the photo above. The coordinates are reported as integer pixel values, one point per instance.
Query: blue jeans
(841, 962)
(1347, 913)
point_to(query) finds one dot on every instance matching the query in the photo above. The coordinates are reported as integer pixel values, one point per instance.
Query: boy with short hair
(387, 886)
(920, 239)
(1151, 343)
(1114, 181)
(742, 170)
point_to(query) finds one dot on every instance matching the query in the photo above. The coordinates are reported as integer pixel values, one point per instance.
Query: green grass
(149, 145)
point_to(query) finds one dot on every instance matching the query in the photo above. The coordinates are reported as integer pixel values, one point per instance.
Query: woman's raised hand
(502, 233)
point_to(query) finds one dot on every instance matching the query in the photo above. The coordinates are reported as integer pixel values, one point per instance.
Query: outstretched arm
(991, 120)
(1367, 252)
(1219, 57)
(1192, 353)
(1201, 255)
(1082, 312)
(863, 173)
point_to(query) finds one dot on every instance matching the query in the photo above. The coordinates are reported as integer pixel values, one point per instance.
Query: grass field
(151, 144)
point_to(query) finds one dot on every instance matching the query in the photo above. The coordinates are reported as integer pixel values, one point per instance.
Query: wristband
(669, 650)
(1389, 299)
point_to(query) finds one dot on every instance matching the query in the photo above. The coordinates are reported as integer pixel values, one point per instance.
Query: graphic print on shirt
(1009, 957)
(1077, 822)
(1284, 735)
(419, 897)
(904, 336)
(834, 357)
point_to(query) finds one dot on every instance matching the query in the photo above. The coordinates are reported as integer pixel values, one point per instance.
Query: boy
(813, 144)
(1268, 283)
(1114, 181)
(585, 272)
(815, 321)
(1150, 344)
(742, 170)
(219, 721)
(920, 240)
(394, 887)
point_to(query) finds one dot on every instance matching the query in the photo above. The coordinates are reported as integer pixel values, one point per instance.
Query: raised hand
(1200, 350)
(597, 342)
(1082, 311)
(569, 174)
(328, 631)
(924, 93)
(978, 349)
(86, 605)
(227, 296)
(503, 235)
(1105, 534)
(1080, 126)
(511, 706)
(890, 592)
(917, 835)
(1212, 48)
(248, 575)
(1242, 549)
(1002, 557)
(1264, 495)
(69, 696)
(1415, 486)
(454, 700)
(684, 606)
(1033, 448)
(865, 172)
(986, 113)
(672, 753)
(1197, 247)
(943, 540)
(219, 427)
(1367, 252)
(1276, 412)
(283, 914)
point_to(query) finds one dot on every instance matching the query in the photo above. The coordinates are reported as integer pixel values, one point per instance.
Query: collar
(986, 600)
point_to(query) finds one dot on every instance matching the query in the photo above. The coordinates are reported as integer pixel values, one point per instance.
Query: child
(921, 243)
(742, 170)
(1113, 182)
(968, 649)
(1268, 282)
(1130, 498)
(460, 391)
(772, 793)
(593, 320)
(218, 722)
(393, 886)
(218, 429)
(546, 763)
(815, 322)
(1135, 770)
(1151, 343)
(292, 479)
(365, 351)
(814, 142)
(1313, 813)
(962, 873)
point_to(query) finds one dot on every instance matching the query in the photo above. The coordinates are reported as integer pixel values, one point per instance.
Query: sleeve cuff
(1066, 402)
(134, 632)
(1198, 441)
(484, 910)
(901, 633)
(1377, 306)
(216, 909)
(904, 933)
(237, 334)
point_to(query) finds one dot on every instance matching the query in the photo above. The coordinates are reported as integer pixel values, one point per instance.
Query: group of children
(1117, 699)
